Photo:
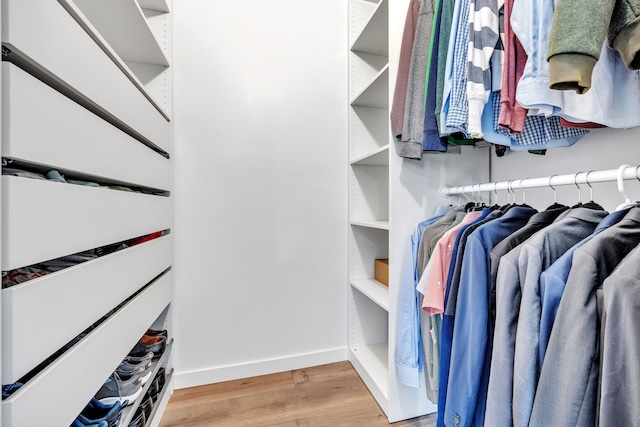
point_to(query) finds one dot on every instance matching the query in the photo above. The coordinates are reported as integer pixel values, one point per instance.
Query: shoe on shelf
(138, 419)
(126, 371)
(9, 389)
(157, 332)
(144, 359)
(147, 344)
(95, 411)
(115, 389)
(78, 423)
(161, 377)
(153, 390)
(147, 406)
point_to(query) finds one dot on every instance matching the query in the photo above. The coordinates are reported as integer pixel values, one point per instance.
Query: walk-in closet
(198, 192)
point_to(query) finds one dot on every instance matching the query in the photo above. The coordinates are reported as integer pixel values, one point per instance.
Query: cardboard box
(382, 271)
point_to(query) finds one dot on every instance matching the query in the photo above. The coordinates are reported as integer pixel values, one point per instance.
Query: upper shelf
(123, 24)
(374, 38)
(159, 5)
(379, 157)
(376, 94)
(374, 290)
(380, 225)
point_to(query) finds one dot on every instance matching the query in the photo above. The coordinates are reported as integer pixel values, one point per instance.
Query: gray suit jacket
(568, 386)
(620, 366)
(537, 254)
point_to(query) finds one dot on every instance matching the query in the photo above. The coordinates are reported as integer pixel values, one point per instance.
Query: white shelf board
(374, 290)
(159, 5)
(72, 8)
(371, 362)
(374, 38)
(131, 38)
(376, 94)
(379, 157)
(381, 225)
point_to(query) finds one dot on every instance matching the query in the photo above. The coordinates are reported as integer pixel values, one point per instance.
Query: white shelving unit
(71, 103)
(387, 197)
(146, 62)
(369, 193)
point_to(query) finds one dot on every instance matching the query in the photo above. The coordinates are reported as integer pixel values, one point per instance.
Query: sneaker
(78, 423)
(145, 359)
(127, 370)
(153, 344)
(95, 411)
(153, 390)
(161, 377)
(138, 419)
(147, 406)
(9, 389)
(117, 390)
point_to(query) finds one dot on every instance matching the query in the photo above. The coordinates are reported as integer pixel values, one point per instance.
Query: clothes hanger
(524, 201)
(479, 205)
(620, 179)
(506, 207)
(591, 204)
(469, 204)
(495, 205)
(575, 181)
(555, 204)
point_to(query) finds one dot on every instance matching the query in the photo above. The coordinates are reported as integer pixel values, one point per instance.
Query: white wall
(601, 149)
(260, 131)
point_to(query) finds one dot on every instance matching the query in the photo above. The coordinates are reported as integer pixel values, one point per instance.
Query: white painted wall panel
(601, 149)
(260, 186)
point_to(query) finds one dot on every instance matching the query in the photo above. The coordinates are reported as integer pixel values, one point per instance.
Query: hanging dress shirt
(469, 370)
(436, 281)
(446, 335)
(408, 345)
(400, 92)
(413, 127)
(431, 139)
(455, 107)
(612, 99)
(431, 326)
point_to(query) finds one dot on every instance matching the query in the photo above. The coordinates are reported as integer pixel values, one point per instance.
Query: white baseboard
(262, 367)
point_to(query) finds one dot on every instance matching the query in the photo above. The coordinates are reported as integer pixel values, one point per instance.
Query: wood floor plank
(320, 396)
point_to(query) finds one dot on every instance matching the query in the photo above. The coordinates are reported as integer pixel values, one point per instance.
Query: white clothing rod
(624, 172)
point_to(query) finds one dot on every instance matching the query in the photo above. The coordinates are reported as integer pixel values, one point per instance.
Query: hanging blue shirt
(472, 335)
(446, 334)
(408, 346)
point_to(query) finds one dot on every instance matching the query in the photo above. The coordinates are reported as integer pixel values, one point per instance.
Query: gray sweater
(578, 31)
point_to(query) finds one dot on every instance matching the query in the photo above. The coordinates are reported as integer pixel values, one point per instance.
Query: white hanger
(620, 178)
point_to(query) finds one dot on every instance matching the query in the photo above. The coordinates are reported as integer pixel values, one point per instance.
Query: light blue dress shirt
(408, 346)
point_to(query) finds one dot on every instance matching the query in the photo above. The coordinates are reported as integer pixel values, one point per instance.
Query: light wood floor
(322, 396)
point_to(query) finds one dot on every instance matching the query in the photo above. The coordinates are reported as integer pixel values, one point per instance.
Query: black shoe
(138, 419)
(155, 345)
(147, 406)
